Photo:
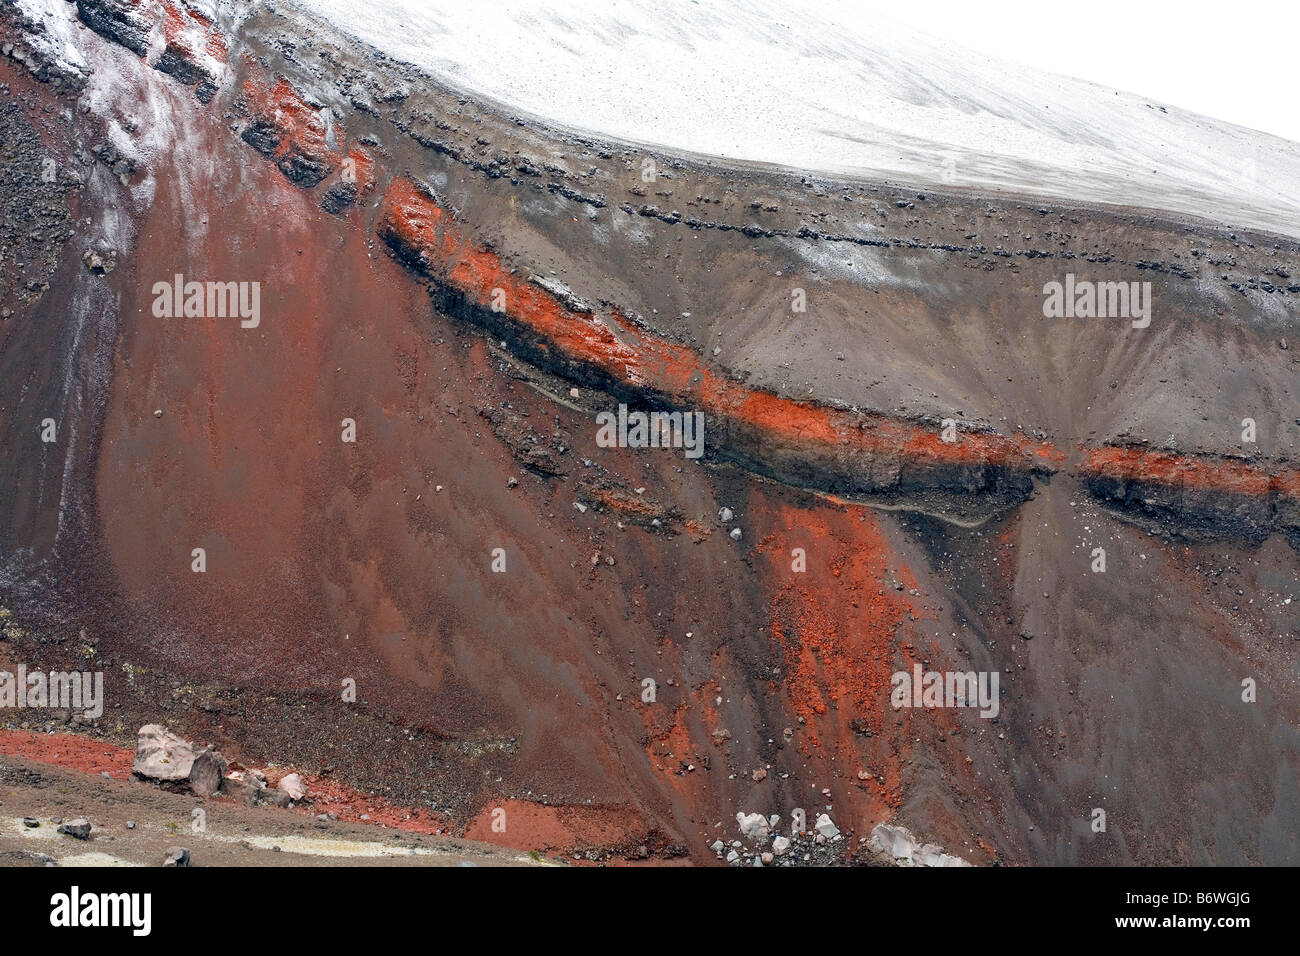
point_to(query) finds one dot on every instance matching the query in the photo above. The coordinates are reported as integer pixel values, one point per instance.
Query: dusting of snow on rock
(837, 88)
(59, 41)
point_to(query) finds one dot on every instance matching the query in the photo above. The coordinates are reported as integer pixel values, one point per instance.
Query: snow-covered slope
(833, 87)
(56, 39)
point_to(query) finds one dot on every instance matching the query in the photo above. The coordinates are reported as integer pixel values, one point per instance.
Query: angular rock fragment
(293, 786)
(168, 759)
(176, 856)
(78, 829)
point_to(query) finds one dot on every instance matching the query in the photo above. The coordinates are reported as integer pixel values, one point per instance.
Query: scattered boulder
(780, 845)
(752, 825)
(176, 856)
(163, 757)
(78, 829)
(207, 772)
(294, 786)
(100, 264)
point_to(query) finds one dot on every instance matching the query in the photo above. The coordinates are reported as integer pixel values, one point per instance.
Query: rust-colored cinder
(299, 124)
(525, 824)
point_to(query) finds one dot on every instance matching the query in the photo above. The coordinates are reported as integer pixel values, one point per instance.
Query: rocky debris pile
(176, 764)
(247, 785)
(41, 49)
(541, 453)
(120, 163)
(100, 261)
(607, 494)
(252, 787)
(339, 196)
(898, 847)
(35, 223)
(763, 845)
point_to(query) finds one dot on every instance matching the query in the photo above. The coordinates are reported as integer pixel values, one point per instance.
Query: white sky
(1236, 61)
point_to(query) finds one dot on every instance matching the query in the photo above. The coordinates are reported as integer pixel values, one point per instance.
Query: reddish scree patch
(836, 627)
(675, 734)
(181, 24)
(70, 751)
(531, 826)
(363, 168)
(330, 796)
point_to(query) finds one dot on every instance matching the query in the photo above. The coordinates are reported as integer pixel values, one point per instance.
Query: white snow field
(834, 87)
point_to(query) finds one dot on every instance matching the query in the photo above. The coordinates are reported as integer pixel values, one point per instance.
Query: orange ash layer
(617, 347)
(624, 352)
(1210, 474)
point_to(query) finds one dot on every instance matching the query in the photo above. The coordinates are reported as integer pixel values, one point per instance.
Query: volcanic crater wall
(923, 377)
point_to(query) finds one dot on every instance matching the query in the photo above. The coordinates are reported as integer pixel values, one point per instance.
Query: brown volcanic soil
(233, 835)
(372, 561)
